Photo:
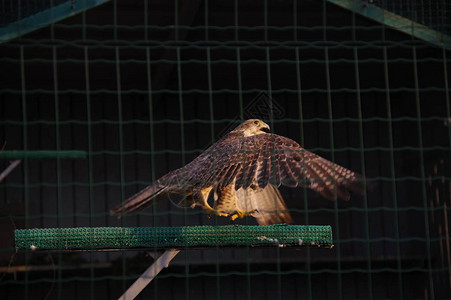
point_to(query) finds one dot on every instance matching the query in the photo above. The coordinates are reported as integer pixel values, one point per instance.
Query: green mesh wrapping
(40, 154)
(93, 238)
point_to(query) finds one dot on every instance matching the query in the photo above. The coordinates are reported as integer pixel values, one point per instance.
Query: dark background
(144, 88)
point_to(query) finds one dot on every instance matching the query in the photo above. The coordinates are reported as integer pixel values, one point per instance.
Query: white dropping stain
(33, 247)
(264, 238)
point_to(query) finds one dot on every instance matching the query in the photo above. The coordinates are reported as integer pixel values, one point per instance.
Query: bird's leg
(241, 214)
(210, 210)
(222, 214)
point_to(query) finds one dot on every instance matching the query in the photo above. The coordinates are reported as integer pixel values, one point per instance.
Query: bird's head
(253, 127)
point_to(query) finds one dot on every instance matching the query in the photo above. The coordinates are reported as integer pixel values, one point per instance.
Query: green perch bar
(122, 238)
(19, 154)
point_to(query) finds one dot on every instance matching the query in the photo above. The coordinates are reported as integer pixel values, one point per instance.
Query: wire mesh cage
(140, 88)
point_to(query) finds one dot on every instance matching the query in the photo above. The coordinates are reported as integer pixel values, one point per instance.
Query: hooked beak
(266, 128)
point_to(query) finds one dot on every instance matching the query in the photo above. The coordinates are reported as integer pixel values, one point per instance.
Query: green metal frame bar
(42, 154)
(46, 17)
(395, 21)
(115, 238)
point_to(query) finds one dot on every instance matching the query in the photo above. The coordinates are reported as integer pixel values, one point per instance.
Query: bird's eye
(256, 122)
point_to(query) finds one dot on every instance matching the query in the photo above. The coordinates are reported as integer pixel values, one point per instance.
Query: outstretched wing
(265, 159)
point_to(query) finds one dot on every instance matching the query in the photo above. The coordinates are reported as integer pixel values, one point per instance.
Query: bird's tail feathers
(268, 203)
(141, 200)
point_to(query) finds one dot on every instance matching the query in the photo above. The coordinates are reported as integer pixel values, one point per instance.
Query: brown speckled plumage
(243, 170)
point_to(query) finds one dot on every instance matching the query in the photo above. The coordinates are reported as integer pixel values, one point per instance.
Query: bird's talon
(241, 214)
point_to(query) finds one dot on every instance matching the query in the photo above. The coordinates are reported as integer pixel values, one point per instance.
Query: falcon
(243, 171)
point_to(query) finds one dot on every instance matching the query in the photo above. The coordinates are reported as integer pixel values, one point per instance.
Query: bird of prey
(243, 171)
